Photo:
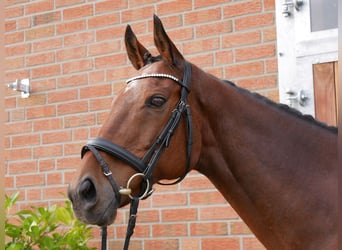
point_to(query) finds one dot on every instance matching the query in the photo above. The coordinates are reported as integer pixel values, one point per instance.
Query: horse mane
(284, 107)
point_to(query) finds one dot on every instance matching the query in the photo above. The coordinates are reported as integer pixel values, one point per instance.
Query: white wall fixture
(23, 86)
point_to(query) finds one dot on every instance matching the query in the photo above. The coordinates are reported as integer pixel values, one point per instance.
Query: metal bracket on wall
(23, 86)
(288, 6)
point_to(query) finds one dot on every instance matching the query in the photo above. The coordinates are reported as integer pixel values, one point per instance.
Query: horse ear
(165, 46)
(135, 50)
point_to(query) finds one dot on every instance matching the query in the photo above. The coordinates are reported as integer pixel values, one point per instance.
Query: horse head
(148, 136)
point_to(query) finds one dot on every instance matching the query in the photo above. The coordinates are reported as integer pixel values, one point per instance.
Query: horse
(276, 167)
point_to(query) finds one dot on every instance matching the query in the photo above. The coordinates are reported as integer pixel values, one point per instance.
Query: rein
(144, 166)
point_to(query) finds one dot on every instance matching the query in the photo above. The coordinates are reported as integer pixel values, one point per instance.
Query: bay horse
(276, 167)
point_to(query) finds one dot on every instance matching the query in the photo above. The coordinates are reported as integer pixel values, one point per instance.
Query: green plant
(55, 228)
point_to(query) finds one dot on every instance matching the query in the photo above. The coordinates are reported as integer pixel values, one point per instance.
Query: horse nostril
(87, 190)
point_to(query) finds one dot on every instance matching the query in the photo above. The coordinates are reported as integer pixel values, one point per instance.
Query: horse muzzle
(89, 206)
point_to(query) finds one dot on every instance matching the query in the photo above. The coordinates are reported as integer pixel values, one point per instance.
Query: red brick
(174, 7)
(80, 133)
(140, 231)
(206, 198)
(251, 243)
(221, 243)
(79, 120)
(100, 104)
(49, 44)
(22, 167)
(218, 213)
(252, 22)
(104, 20)
(70, 27)
(63, 3)
(46, 165)
(104, 48)
(79, 38)
(72, 53)
(255, 83)
(41, 112)
(239, 39)
(46, 18)
(206, 3)
(196, 181)
(242, 8)
(56, 137)
(72, 108)
(255, 52)
(16, 74)
(30, 180)
(169, 230)
(47, 124)
(40, 6)
(33, 194)
(54, 192)
(239, 228)
(62, 96)
(68, 163)
(54, 178)
(14, 63)
(137, 14)
(208, 228)
(269, 34)
(45, 71)
(25, 140)
(10, 25)
(37, 59)
(109, 5)
(41, 32)
(110, 33)
(15, 128)
(202, 16)
(77, 66)
(245, 69)
(110, 61)
(186, 214)
(15, 37)
(269, 4)
(164, 244)
(24, 23)
(201, 45)
(72, 148)
(96, 76)
(18, 49)
(47, 151)
(15, 11)
(224, 57)
(169, 200)
(72, 80)
(42, 85)
(272, 65)
(95, 91)
(34, 100)
(78, 12)
(214, 29)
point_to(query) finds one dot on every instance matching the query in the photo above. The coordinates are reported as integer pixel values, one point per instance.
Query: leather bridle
(144, 166)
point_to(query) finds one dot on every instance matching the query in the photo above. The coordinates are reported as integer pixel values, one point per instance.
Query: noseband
(144, 166)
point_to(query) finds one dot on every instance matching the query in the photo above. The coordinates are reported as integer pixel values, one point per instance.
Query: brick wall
(74, 55)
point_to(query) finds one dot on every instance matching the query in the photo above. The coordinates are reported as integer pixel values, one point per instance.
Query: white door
(307, 35)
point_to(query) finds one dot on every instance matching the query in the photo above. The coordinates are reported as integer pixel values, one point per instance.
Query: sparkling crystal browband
(156, 75)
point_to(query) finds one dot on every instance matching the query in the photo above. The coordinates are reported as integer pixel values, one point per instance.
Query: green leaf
(11, 200)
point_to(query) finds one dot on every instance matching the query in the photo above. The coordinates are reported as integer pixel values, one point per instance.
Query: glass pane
(323, 14)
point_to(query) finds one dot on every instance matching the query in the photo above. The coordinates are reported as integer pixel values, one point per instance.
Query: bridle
(145, 165)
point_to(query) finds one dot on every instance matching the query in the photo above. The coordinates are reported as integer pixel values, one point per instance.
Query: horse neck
(262, 158)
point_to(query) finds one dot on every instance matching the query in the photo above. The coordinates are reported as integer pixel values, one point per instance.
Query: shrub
(55, 228)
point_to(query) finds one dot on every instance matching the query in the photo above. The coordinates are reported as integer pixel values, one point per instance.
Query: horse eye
(156, 101)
